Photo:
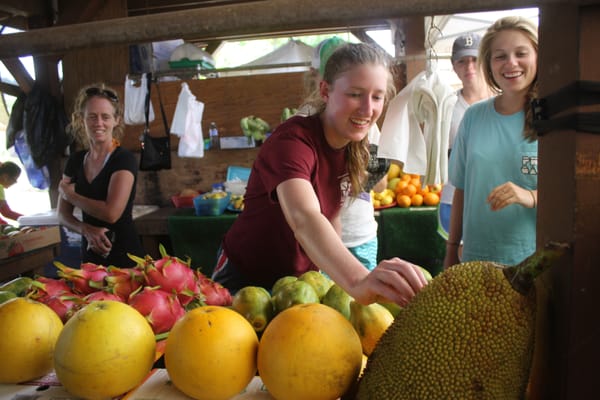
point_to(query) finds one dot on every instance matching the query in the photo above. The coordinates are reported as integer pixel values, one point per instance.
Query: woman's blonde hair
(529, 29)
(341, 60)
(78, 118)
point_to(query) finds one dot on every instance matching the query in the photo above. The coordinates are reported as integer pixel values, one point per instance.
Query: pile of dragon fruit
(162, 290)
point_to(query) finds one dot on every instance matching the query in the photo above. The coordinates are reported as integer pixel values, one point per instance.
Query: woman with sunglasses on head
(100, 181)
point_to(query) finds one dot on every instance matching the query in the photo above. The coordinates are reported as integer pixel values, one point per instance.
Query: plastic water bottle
(213, 133)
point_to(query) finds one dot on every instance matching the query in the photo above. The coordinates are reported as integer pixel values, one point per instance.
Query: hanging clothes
(416, 127)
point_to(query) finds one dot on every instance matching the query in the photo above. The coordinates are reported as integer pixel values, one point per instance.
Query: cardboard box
(23, 242)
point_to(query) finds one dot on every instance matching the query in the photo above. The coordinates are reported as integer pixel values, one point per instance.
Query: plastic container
(183, 201)
(207, 206)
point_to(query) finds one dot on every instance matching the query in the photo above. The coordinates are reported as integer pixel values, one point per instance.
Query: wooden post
(567, 348)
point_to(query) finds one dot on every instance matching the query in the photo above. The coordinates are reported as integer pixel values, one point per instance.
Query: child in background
(9, 174)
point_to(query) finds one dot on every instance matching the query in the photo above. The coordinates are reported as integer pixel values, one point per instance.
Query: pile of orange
(410, 192)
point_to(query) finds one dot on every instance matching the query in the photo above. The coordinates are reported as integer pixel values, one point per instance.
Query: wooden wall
(226, 101)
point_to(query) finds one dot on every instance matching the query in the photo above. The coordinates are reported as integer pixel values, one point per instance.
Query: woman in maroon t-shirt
(291, 218)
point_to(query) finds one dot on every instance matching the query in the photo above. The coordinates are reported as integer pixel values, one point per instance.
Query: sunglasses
(94, 91)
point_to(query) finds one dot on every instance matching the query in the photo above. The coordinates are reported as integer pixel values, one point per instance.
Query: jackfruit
(467, 335)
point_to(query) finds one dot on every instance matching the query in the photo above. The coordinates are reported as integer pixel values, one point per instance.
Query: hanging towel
(187, 124)
(416, 127)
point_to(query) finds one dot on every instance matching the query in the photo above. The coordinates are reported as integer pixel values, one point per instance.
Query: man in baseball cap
(465, 45)
(465, 51)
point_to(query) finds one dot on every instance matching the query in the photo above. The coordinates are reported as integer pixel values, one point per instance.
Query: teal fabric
(366, 253)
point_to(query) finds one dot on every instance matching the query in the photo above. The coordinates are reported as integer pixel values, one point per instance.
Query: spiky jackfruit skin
(467, 335)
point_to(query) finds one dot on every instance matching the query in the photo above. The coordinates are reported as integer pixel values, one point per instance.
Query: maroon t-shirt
(260, 243)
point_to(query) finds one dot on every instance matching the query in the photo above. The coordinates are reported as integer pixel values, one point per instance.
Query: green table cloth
(198, 237)
(408, 233)
(412, 234)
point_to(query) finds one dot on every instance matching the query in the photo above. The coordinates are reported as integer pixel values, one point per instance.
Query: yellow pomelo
(211, 353)
(309, 352)
(29, 331)
(106, 349)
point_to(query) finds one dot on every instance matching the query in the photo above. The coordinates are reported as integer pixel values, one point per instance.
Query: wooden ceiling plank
(237, 21)
(23, 8)
(10, 89)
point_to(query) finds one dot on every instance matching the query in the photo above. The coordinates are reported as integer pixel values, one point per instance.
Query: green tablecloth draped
(408, 233)
(411, 234)
(198, 237)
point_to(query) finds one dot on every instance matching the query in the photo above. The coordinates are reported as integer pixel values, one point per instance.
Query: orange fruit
(309, 351)
(211, 353)
(416, 200)
(403, 201)
(410, 190)
(400, 186)
(415, 176)
(416, 182)
(424, 190)
(406, 177)
(431, 199)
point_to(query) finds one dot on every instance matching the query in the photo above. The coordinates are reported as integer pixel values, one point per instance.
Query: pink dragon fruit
(43, 287)
(171, 274)
(123, 281)
(102, 295)
(162, 309)
(64, 305)
(213, 293)
(88, 279)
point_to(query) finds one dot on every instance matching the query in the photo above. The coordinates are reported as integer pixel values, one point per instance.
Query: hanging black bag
(156, 151)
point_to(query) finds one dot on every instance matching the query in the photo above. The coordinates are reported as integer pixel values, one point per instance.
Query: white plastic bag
(180, 114)
(191, 143)
(135, 97)
(187, 124)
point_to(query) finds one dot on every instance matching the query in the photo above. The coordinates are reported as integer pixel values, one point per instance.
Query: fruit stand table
(409, 233)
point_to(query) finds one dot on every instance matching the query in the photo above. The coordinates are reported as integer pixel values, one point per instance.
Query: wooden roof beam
(19, 72)
(238, 21)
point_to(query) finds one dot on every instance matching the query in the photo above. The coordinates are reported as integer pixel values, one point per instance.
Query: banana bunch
(288, 112)
(255, 127)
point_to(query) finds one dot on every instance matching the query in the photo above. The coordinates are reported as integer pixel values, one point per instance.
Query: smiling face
(513, 62)
(354, 102)
(100, 120)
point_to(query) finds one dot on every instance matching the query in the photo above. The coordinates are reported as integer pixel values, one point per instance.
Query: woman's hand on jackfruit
(394, 280)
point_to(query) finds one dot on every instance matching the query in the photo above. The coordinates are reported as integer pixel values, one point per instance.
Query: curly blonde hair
(341, 60)
(529, 29)
(77, 125)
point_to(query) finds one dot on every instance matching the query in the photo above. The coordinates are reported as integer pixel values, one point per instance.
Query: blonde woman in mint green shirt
(493, 164)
